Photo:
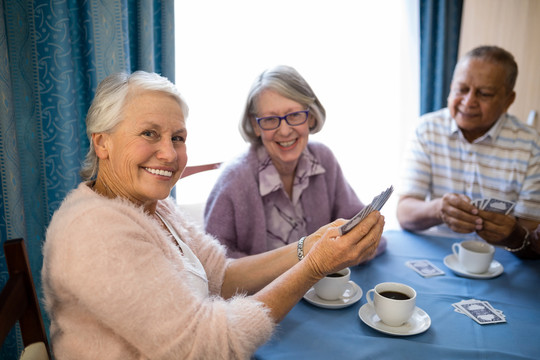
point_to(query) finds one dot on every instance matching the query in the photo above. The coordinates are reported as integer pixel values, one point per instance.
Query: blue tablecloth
(310, 332)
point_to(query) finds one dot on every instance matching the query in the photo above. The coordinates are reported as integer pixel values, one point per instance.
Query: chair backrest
(18, 299)
(190, 170)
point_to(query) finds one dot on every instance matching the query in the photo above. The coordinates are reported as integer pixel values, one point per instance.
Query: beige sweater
(116, 287)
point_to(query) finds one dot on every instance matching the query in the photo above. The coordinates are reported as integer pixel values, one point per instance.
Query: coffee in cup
(394, 303)
(334, 286)
(473, 255)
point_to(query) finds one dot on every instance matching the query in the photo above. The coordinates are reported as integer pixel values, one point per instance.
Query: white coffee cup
(334, 286)
(473, 255)
(394, 303)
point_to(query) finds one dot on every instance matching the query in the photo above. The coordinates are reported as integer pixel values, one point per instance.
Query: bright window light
(360, 58)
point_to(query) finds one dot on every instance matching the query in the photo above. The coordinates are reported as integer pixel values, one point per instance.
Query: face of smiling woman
(144, 156)
(286, 143)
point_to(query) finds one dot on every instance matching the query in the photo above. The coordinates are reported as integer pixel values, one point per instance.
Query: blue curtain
(52, 56)
(440, 24)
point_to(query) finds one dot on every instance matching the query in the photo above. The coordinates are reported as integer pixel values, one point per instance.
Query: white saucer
(495, 269)
(312, 298)
(418, 323)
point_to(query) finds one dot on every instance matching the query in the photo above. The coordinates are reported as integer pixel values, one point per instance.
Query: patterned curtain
(52, 56)
(440, 25)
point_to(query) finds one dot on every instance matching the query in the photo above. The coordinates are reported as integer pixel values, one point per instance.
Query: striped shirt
(504, 163)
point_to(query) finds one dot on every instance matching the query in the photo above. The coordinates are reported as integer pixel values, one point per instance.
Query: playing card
(465, 302)
(376, 204)
(494, 205)
(424, 267)
(480, 311)
(498, 206)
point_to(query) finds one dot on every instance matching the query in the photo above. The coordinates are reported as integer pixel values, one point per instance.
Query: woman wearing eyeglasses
(284, 187)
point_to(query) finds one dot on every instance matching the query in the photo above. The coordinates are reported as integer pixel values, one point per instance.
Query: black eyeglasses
(273, 122)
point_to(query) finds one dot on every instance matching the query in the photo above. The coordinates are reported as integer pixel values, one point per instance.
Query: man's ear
(100, 145)
(510, 100)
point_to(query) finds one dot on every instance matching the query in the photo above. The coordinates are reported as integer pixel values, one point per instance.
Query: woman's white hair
(107, 107)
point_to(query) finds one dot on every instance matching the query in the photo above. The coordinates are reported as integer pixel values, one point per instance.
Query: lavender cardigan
(117, 287)
(234, 211)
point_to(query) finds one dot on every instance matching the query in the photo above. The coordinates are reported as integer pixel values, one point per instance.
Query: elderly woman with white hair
(126, 276)
(285, 186)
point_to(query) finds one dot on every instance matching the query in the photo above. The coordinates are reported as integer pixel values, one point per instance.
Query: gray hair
(496, 55)
(107, 107)
(287, 82)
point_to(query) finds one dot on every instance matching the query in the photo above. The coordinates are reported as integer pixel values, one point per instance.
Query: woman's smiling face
(146, 152)
(286, 143)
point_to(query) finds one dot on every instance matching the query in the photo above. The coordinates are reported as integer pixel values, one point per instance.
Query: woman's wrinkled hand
(332, 252)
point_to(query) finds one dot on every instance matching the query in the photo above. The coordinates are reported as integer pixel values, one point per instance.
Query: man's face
(478, 96)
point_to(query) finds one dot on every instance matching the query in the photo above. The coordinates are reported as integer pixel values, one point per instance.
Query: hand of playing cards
(494, 205)
(376, 204)
(480, 311)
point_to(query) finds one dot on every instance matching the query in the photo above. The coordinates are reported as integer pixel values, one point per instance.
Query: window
(359, 57)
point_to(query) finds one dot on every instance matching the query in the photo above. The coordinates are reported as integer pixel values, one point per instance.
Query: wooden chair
(19, 302)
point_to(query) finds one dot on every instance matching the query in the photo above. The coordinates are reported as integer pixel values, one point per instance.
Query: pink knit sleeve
(115, 272)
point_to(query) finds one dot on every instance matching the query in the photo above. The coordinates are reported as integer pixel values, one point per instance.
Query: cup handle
(370, 298)
(349, 291)
(455, 249)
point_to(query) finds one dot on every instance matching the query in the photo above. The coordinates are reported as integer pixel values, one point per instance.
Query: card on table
(465, 302)
(424, 268)
(480, 311)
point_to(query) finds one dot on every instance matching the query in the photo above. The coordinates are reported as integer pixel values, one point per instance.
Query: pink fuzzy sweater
(116, 287)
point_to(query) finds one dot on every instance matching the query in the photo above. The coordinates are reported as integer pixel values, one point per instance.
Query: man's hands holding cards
(457, 212)
(497, 221)
(489, 217)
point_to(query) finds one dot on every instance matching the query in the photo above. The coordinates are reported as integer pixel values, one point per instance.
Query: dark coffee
(395, 295)
(335, 275)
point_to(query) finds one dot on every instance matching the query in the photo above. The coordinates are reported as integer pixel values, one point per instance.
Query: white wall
(359, 57)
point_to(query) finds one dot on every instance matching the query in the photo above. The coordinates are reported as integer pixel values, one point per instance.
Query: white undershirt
(193, 265)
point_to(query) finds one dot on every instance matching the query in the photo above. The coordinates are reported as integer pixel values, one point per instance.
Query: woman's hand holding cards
(331, 252)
